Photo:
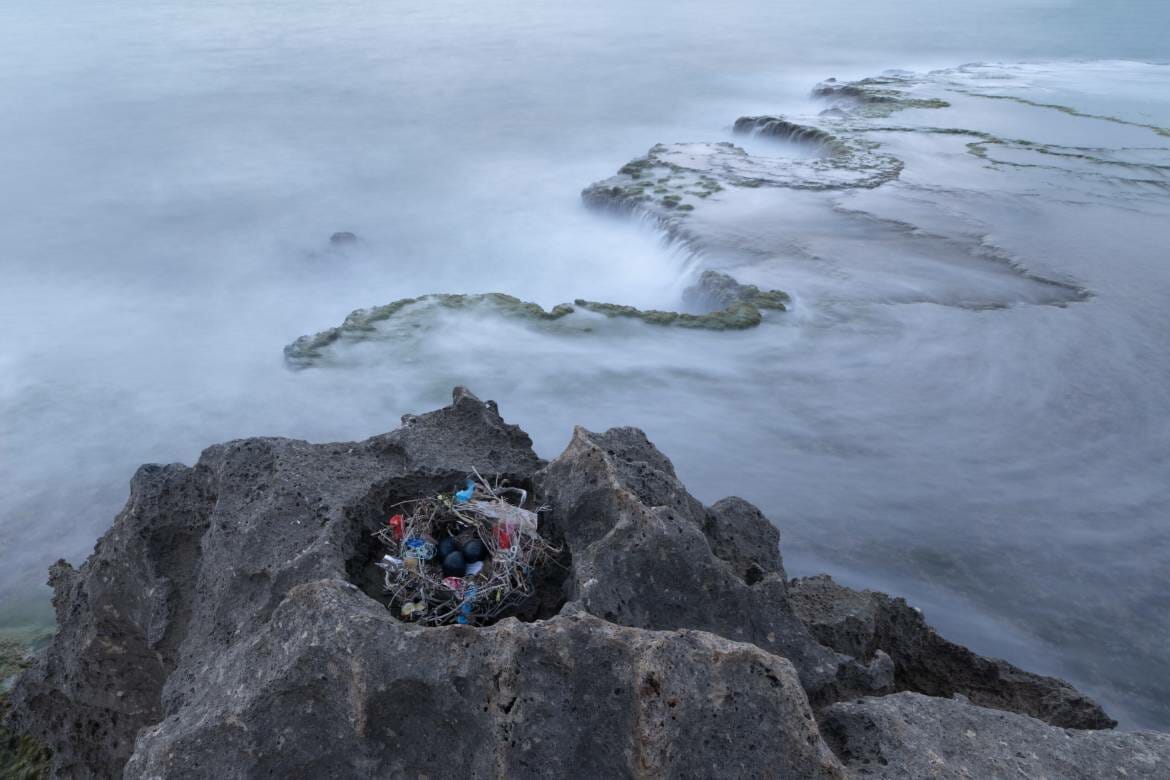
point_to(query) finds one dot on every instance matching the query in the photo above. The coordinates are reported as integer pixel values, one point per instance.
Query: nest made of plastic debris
(464, 557)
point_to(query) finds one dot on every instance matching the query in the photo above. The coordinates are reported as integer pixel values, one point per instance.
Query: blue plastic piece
(463, 496)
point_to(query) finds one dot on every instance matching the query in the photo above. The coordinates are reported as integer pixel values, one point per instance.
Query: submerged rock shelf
(723, 303)
(221, 629)
(671, 181)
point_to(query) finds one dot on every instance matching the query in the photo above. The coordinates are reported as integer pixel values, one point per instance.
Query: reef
(224, 627)
(874, 97)
(785, 130)
(721, 303)
(671, 179)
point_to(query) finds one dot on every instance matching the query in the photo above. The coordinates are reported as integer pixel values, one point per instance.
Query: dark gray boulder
(642, 557)
(333, 686)
(741, 535)
(908, 736)
(862, 623)
(201, 556)
(231, 624)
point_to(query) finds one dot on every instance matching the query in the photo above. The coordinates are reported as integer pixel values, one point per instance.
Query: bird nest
(465, 557)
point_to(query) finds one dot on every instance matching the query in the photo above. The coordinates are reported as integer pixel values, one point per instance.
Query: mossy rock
(734, 306)
(21, 757)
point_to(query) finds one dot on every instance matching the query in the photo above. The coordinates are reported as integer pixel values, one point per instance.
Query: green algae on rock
(721, 302)
(683, 171)
(309, 347)
(784, 129)
(21, 757)
(875, 97)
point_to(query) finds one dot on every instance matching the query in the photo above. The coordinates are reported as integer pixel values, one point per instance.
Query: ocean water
(967, 404)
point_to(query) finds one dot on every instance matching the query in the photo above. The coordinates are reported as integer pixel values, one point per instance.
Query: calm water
(172, 173)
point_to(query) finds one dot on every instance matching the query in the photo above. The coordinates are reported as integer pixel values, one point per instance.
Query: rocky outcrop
(720, 303)
(670, 180)
(642, 557)
(200, 556)
(908, 736)
(874, 97)
(863, 623)
(568, 697)
(786, 130)
(231, 624)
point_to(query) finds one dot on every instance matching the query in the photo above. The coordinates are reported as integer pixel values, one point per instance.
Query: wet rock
(860, 623)
(642, 558)
(725, 305)
(717, 292)
(909, 736)
(738, 316)
(875, 97)
(362, 323)
(343, 238)
(671, 180)
(785, 130)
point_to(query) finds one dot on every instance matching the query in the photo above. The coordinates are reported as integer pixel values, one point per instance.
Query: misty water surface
(172, 173)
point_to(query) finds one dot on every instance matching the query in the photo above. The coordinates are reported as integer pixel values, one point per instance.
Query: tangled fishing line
(466, 557)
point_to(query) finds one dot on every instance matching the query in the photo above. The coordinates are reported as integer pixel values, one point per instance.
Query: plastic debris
(511, 518)
(414, 547)
(396, 523)
(389, 562)
(466, 558)
(464, 495)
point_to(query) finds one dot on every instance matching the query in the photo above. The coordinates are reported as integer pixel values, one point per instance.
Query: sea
(966, 404)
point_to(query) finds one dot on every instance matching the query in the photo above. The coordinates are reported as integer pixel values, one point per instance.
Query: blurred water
(172, 172)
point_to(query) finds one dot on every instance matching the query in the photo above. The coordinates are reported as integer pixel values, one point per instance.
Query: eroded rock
(721, 302)
(642, 557)
(862, 623)
(875, 97)
(229, 624)
(201, 556)
(908, 736)
(569, 697)
(786, 130)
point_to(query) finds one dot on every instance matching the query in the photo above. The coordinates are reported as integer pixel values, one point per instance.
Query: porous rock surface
(334, 686)
(641, 558)
(908, 736)
(228, 626)
(862, 623)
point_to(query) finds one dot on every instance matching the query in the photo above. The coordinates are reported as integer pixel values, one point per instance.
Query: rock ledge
(223, 627)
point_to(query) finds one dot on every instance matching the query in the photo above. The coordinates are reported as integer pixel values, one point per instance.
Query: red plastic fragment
(397, 523)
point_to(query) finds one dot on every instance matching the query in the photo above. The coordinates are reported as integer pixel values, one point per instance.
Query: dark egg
(474, 551)
(454, 565)
(447, 545)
